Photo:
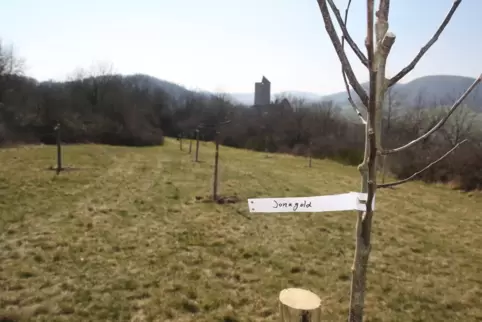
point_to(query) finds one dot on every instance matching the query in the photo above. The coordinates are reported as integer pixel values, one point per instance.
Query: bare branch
(371, 135)
(427, 46)
(347, 87)
(330, 30)
(413, 176)
(350, 99)
(439, 124)
(346, 34)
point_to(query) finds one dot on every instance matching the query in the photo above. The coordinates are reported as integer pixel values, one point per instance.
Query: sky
(227, 45)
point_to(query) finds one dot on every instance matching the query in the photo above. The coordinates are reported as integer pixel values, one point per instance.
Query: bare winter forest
(98, 106)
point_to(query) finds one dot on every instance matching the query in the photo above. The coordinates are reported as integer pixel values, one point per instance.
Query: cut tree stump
(299, 305)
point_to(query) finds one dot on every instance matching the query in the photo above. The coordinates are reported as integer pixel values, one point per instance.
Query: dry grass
(122, 238)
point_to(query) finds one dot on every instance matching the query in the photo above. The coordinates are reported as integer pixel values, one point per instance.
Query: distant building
(262, 92)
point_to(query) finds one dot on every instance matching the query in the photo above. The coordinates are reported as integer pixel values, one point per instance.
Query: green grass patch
(122, 237)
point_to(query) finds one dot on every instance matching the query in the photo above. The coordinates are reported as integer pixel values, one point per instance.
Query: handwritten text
(293, 205)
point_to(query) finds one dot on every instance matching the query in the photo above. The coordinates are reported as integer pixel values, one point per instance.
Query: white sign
(340, 202)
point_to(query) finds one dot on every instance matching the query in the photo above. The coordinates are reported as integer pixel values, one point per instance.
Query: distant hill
(440, 88)
(178, 92)
(426, 90)
(243, 98)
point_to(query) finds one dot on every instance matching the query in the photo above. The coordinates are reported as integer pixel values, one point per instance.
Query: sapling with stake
(197, 145)
(378, 43)
(59, 148)
(190, 144)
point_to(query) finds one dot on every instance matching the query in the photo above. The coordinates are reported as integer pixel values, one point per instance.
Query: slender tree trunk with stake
(378, 50)
(190, 144)
(216, 165)
(197, 145)
(59, 148)
(180, 142)
(310, 153)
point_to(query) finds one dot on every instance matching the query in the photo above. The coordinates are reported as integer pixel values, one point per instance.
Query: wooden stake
(216, 164)
(310, 156)
(197, 145)
(190, 144)
(299, 305)
(59, 149)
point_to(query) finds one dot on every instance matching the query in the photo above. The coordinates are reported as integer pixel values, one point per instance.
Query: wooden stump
(299, 305)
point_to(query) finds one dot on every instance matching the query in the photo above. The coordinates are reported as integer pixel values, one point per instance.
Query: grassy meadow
(123, 236)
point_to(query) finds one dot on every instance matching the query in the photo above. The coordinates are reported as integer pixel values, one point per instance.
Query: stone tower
(262, 92)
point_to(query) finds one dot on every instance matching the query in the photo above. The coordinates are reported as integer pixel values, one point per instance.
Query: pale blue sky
(227, 45)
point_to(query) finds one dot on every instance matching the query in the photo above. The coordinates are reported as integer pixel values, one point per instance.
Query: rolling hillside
(429, 89)
(124, 236)
(435, 88)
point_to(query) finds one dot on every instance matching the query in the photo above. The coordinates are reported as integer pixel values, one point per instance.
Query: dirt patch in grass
(220, 200)
(127, 240)
(63, 169)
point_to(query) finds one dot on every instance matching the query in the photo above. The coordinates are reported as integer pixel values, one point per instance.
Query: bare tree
(296, 102)
(459, 127)
(10, 63)
(393, 102)
(10, 66)
(378, 43)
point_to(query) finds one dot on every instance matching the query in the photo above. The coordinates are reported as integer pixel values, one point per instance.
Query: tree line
(99, 106)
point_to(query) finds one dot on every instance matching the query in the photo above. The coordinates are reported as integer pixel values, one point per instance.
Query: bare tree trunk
(368, 177)
(375, 61)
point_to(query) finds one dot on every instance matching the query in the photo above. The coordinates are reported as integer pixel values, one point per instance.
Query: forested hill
(114, 109)
(139, 110)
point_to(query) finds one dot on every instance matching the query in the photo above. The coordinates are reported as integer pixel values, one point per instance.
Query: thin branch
(427, 46)
(330, 30)
(350, 99)
(439, 124)
(347, 87)
(346, 34)
(413, 176)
